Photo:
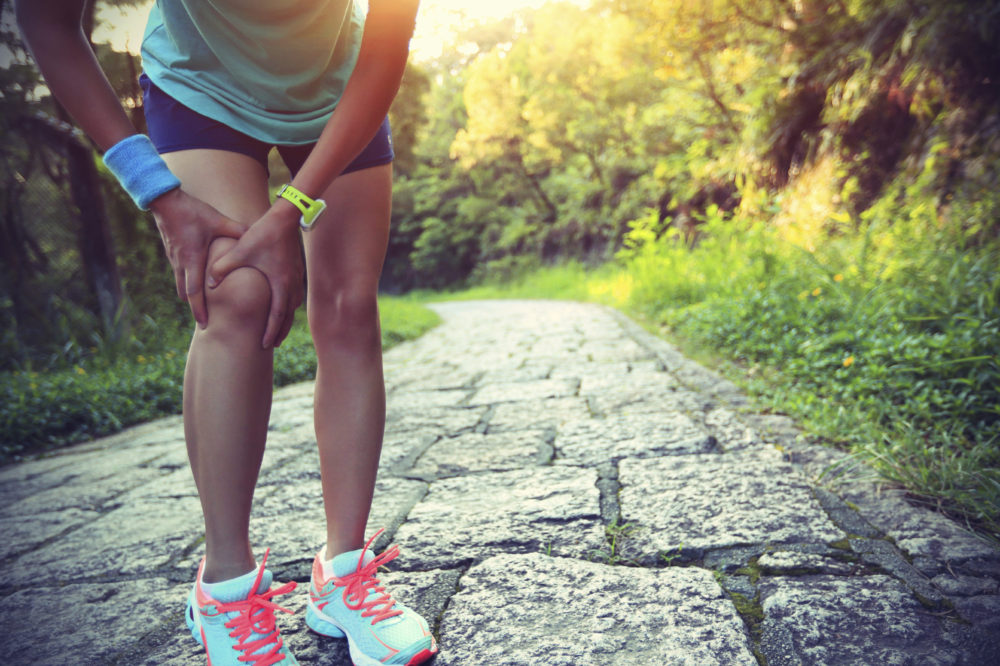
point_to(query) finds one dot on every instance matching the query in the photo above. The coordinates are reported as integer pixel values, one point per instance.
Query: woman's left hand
(273, 246)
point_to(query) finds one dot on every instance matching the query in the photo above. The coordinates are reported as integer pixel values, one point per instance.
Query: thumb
(223, 266)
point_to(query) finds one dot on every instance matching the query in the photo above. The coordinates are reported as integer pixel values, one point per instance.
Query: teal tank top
(272, 69)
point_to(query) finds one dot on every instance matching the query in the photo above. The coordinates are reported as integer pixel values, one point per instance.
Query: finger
(179, 283)
(276, 316)
(286, 327)
(226, 227)
(195, 289)
(224, 265)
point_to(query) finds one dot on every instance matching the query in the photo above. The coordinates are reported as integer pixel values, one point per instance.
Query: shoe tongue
(347, 563)
(238, 589)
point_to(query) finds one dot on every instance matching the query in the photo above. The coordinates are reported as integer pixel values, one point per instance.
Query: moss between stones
(842, 544)
(752, 569)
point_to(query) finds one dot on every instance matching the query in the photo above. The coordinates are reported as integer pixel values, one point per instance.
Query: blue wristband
(140, 169)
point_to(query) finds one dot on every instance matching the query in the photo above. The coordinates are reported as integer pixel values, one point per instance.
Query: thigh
(346, 248)
(232, 183)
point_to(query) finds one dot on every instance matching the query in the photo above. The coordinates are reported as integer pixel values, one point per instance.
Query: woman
(224, 80)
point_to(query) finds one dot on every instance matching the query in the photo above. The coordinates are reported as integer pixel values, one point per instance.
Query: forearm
(367, 97)
(53, 34)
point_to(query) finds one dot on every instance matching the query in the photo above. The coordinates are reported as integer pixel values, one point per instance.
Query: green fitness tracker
(311, 208)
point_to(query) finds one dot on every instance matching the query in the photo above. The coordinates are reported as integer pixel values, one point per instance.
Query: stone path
(566, 490)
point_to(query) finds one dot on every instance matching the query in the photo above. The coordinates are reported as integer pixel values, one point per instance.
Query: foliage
(108, 389)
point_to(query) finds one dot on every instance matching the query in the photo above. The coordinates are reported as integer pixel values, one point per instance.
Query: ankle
(221, 569)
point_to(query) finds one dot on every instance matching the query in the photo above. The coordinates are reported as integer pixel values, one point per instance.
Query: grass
(118, 386)
(884, 344)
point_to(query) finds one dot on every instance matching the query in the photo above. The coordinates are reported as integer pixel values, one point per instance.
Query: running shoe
(235, 623)
(346, 598)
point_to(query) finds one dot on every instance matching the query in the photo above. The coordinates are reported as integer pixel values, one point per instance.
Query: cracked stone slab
(790, 562)
(514, 610)
(596, 441)
(531, 415)
(434, 422)
(93, 479)
(652, 381)
(883, 554)
(294, 542)
(131, 540)
(862, 620)
(956, 585)
(708, 501)
(919, 532)
(405, 401)
(475, 516)
(480, 452)
(528, 390)
(49, 627)
(27, 532)
(640, 400)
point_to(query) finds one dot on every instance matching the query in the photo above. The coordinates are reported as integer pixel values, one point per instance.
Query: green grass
(112, 388)
(885, 345)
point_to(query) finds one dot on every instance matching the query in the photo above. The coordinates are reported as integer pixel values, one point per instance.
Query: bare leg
(344, 255)
(227, 382)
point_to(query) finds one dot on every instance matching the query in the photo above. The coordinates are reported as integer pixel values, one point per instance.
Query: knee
(344, 317)
(240, 302)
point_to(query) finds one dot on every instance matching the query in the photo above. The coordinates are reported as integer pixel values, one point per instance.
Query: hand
(188, 226)
(272, 246)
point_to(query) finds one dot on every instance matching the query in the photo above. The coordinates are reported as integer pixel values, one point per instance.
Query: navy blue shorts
(173, 126)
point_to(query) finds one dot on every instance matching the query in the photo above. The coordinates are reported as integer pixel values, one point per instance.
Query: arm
(364, 104)
(53, 32)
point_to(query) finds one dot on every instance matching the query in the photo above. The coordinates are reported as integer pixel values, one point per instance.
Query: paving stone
(554, 509)
(478, 452)
(595, 441)
(526, 390)
(705, 502)
(131, 540)
(789, 562)
(863, 620)
(532, 415)
(531, 597)
(71, 624)
(524, 373)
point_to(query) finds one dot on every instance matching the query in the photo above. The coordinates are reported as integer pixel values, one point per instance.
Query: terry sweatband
(140, 169)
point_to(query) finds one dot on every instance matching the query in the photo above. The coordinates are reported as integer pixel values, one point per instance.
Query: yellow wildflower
(849, 361)
(817, 291)
(838, 278)
(80, 371)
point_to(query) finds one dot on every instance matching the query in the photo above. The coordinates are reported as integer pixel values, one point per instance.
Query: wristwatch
(311, 208)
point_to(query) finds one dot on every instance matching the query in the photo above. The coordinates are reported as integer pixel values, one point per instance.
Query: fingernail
(211, 282)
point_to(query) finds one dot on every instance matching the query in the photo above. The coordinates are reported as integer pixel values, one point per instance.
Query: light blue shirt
(272, 69)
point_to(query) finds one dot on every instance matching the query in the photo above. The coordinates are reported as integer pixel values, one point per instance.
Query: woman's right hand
(188, 226)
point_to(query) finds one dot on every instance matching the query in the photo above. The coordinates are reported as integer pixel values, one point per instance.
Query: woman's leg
(228, 379)
(344, 255)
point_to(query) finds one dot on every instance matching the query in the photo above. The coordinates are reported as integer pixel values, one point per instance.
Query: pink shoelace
(361, 584)
(255, 615)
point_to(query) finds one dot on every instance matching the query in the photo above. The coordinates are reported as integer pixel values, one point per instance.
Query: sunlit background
(437, 23)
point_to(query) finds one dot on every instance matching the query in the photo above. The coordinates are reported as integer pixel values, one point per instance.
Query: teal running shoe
(236, 624)
(345, 598)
